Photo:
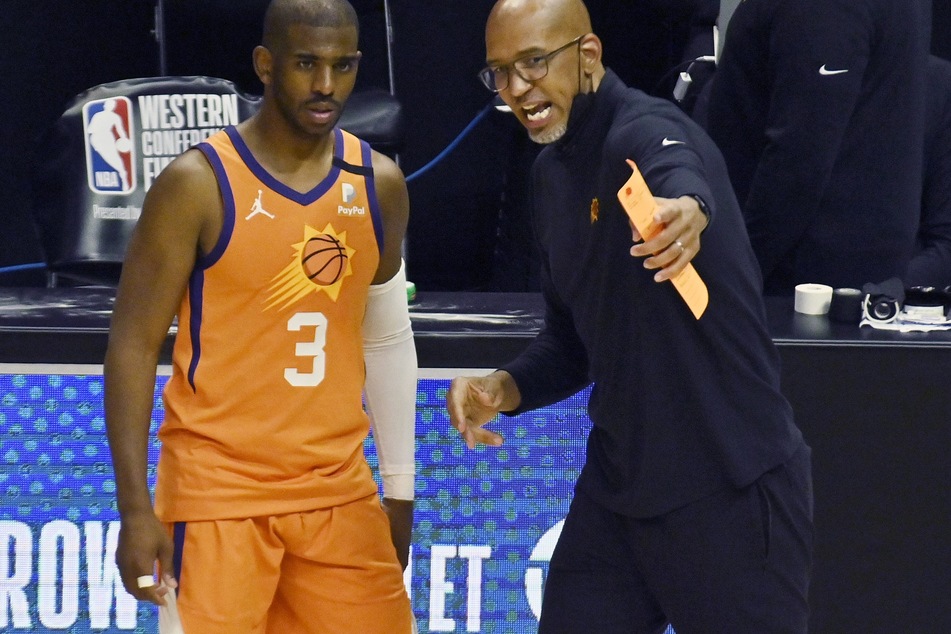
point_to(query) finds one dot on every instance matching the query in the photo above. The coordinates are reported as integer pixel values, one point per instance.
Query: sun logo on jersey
(320, 263)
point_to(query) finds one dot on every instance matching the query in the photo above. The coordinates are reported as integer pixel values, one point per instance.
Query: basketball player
(266, 517)
(694, 505)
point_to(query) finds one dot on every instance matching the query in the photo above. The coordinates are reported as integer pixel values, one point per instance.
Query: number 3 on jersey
(311, 349)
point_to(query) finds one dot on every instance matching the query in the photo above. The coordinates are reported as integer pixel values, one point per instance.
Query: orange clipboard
(640, 206)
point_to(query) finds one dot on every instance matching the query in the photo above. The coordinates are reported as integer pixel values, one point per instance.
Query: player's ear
(263, 64)
(590, 50)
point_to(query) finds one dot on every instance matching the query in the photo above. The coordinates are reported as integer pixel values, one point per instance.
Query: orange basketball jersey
(263, 412)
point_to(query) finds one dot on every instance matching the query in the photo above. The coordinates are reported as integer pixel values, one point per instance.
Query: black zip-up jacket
(681, 407)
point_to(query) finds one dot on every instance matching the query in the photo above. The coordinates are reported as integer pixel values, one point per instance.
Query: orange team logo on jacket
(319, 263)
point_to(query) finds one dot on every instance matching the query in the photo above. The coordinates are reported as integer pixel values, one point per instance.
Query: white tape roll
(813, 299)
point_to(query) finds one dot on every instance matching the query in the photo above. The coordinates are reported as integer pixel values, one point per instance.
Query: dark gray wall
(52, 50)
(467, 230)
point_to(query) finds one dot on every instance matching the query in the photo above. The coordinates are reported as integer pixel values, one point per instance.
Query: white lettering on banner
(534, 575)
(475, 555)
(173, 123)
(49, 568)
(58, 577)
(190, 110)
(52, 588)
(103, 580)
(439, 587)
(408, 575)
(106, 179)
(151, 168)
(16, 570)
(172, 142)
(127, 212)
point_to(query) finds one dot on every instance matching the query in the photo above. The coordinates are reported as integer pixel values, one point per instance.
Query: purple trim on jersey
(370, 181)
(227, 197)
(291, 194)
(195, 298)
(178, 539)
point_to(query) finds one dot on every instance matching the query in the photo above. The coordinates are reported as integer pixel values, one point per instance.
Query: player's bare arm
(394, 207)
(181, 214)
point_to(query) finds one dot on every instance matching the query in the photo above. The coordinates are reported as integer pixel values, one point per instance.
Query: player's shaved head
(567, 18)
(282, 14)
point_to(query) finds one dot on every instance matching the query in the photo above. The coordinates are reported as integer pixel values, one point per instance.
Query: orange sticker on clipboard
(640, 206)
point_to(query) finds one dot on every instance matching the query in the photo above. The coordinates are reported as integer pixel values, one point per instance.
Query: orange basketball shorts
(327, 571)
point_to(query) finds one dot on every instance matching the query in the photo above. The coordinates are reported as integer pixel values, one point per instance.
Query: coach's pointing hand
(474, 401)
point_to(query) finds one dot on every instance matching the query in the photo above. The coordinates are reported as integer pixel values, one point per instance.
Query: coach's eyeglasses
(530, 68)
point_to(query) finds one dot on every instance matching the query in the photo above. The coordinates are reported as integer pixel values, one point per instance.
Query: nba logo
(349, 193)
(108, 132)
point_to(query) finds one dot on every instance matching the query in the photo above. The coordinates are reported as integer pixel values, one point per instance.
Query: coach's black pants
(736, 562)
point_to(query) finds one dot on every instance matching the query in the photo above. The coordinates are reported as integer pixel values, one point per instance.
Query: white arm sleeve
(390, 390)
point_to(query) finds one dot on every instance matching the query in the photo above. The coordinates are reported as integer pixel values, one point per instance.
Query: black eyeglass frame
(488, 74)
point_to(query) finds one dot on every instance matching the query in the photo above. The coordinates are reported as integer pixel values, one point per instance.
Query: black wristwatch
(703, 208)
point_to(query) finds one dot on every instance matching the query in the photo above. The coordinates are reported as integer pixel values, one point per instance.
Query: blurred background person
(819, 109)
(931, 265)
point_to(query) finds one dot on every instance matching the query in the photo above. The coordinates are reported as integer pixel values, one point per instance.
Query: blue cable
(449, 148)
(22, 267)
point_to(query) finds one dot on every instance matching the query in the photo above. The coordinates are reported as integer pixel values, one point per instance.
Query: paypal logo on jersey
(108, 133)
(349, 193)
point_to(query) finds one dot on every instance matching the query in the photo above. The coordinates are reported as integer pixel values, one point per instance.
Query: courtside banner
(98, 161)
(486, 520)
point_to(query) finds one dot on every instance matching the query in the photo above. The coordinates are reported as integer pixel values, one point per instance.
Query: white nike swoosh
(825, 71)
(667, 142)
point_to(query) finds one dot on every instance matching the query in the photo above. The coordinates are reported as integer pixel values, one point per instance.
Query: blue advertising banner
(486, 520)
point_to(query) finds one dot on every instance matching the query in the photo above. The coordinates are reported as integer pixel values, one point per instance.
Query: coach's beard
(549, 136)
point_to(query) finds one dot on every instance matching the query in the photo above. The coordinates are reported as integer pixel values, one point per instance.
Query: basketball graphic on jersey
(324, 259)
(320, 263)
